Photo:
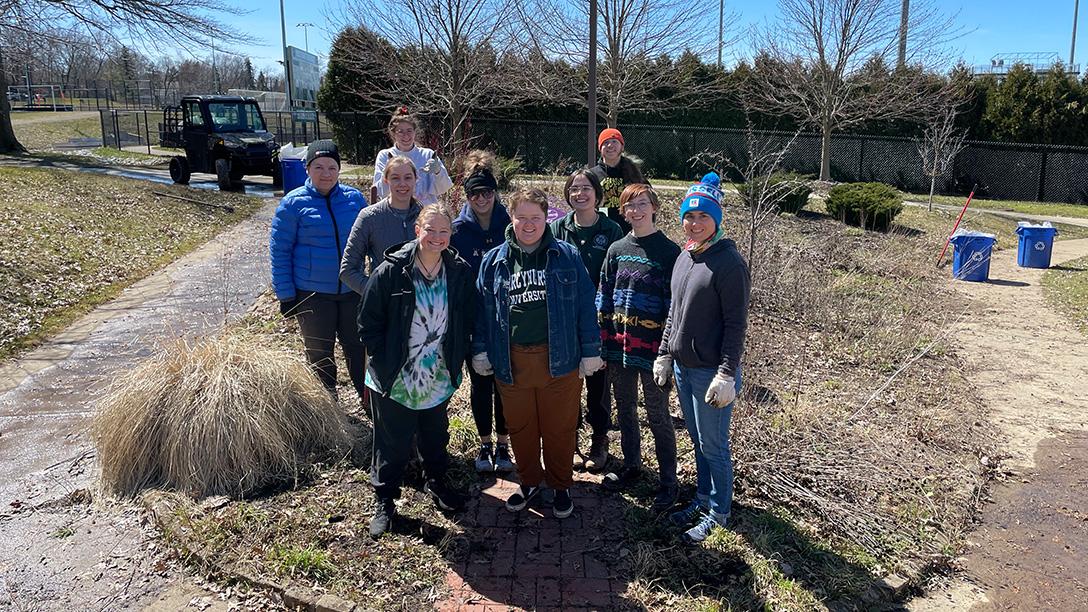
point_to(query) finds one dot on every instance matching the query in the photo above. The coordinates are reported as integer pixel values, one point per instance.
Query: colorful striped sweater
(633, 300)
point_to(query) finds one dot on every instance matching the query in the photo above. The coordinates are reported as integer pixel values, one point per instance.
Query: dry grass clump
(225, 415)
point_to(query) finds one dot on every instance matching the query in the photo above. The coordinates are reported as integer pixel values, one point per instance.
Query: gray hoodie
(709, 312)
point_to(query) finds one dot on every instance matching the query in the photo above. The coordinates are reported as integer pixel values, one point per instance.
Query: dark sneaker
(485, 461)
(598, 454)
(618, 481)
(664, 500)
(562, 505)
(383, 518)
(503, 462)
(680, 518)
(444, 497)
(702, 529)
(521, 498)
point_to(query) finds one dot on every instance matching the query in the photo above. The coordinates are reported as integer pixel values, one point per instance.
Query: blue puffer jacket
(471, 241)
(309, 232)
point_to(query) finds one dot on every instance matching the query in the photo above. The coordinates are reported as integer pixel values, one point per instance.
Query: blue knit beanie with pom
(704, 196)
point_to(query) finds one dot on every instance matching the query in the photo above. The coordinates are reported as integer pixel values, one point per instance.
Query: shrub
(866, 205)
(226, 415)
(790, 190)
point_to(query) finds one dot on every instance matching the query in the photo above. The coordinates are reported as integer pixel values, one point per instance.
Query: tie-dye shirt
(425, 380)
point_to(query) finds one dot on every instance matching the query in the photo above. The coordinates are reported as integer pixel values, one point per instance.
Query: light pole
(591, 148)
(305, 25)
(1073, 46)
(721, 30)
(286, 60)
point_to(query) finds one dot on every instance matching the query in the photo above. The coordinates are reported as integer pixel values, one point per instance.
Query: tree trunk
(8, 142)
(932, 188)
(825, 153)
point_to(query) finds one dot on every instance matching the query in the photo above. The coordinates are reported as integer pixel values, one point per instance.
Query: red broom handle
(957, 225)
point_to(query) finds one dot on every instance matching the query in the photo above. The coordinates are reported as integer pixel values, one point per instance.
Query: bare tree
(436, 57)
(826, 63)
(760, 192)
(941, 142)
(151, 22)
(636, 38)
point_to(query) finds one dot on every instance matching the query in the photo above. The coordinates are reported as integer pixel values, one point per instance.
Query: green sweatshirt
(528, 290)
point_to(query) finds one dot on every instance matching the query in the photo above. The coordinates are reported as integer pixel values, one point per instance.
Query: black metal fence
(1001, 170)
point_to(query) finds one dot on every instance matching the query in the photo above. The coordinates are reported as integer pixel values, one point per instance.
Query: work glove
(287, 307)
(662, 370)
(722, 391)
(589, 365)
(432, 166)
(482, 365)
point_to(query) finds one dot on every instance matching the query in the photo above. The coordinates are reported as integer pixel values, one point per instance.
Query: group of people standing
(530, 309)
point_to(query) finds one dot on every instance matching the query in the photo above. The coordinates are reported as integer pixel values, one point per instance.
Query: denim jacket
(573, 332)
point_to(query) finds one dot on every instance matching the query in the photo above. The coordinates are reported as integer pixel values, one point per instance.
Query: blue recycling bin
(971, 256)
(1036, 244)
(294, 174)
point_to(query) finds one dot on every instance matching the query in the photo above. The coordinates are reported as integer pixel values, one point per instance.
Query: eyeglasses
(637, 206)
(482, 194)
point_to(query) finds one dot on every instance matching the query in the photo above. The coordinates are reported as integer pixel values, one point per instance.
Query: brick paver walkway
(533, 561)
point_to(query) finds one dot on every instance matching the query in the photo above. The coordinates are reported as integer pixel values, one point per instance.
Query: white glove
(662, 370)
(589, 365)
(722, 391)
(482, 365)
(432, 166)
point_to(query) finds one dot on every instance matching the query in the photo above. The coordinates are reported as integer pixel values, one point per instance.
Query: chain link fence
(1001, 171)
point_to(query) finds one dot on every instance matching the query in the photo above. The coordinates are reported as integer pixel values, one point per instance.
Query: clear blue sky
(994, 26)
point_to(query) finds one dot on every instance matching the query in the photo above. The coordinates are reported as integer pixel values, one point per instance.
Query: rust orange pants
(541, 414)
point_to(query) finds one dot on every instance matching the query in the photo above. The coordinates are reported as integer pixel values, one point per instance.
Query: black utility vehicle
(222, 135)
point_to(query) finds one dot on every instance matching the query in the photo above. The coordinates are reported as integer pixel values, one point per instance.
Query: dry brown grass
(225, 415)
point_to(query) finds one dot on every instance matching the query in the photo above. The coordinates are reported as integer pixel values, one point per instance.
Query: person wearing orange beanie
(615, 172)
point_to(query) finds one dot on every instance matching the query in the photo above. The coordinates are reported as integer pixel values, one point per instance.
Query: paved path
(1082, 222)
(1030, 366)
(56, 550)
(534, 561)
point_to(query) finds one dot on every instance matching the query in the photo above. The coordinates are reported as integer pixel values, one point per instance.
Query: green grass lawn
(38, 131)
(1066, 288)
(1056, 209)
(70, 241)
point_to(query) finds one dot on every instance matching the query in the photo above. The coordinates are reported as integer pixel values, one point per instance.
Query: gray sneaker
(503, 462)
(702, 529)
(485, 461)
(684, 517)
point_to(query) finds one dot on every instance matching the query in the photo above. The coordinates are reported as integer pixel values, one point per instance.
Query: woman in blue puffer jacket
(309, 232)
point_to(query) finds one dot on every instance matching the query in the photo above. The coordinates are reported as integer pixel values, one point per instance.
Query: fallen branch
(185, 199)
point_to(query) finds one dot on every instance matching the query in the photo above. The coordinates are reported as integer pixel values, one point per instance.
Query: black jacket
(387, 307)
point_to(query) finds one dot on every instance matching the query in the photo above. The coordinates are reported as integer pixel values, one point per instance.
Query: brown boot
(598, 454)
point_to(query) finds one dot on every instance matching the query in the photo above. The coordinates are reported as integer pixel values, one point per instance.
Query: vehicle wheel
(222, 174)
(179, 170)
(237, 172)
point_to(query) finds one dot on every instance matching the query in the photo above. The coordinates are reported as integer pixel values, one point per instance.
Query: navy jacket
(471, 240)
(309, 234)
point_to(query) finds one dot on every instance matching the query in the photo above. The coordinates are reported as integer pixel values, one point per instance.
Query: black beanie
(322, 148)
(481, 179)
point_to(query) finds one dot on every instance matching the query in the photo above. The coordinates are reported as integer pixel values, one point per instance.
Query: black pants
(598, 411)
(322, 317)
(486, 403)
(394, 426)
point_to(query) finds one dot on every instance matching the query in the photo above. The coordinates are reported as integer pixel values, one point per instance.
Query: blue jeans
(709, 430)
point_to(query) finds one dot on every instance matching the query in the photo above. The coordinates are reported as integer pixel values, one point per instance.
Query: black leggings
(322, 317)
(485, 401)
